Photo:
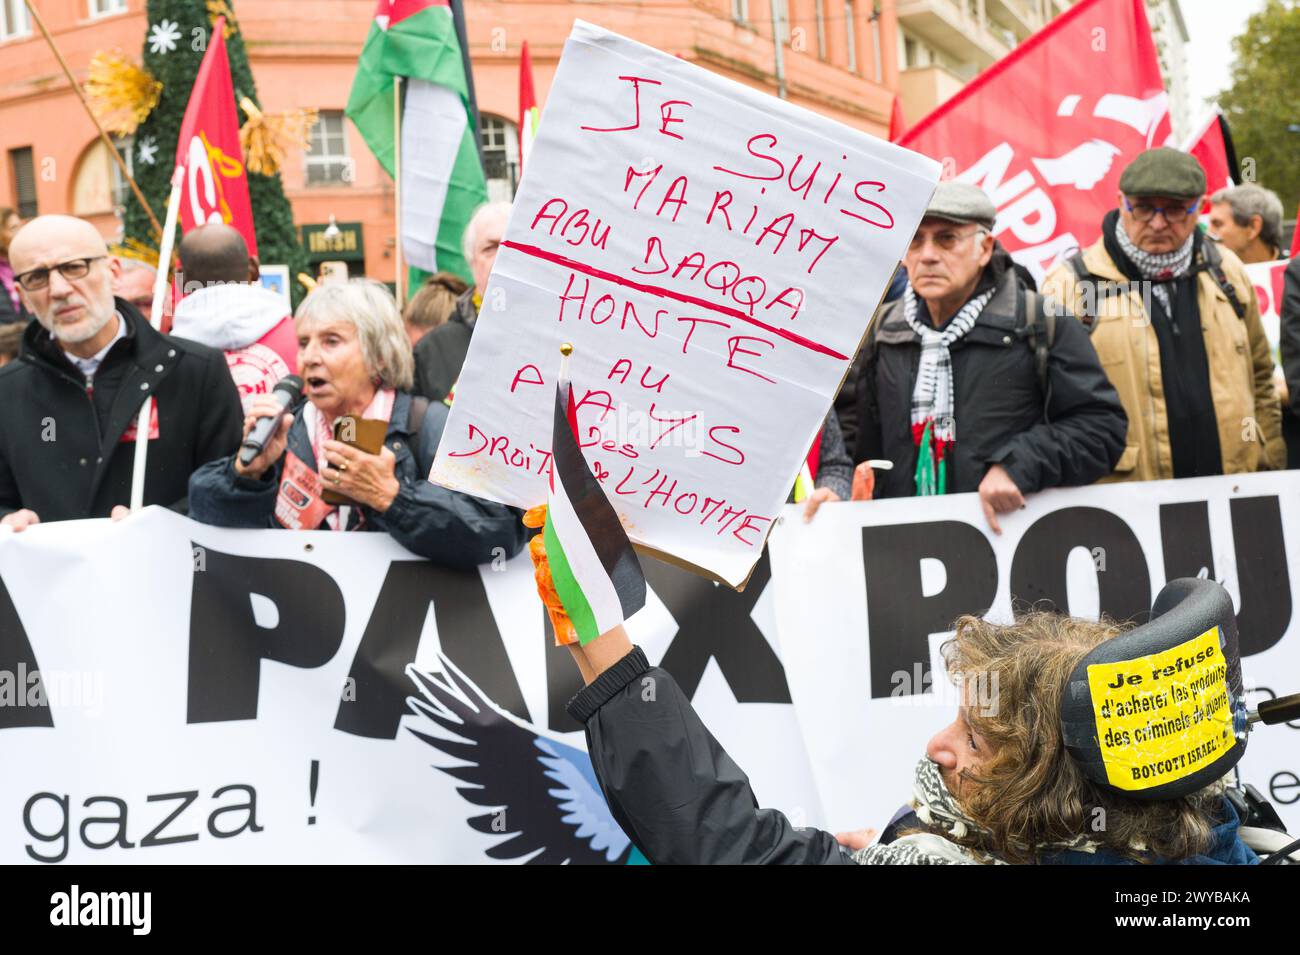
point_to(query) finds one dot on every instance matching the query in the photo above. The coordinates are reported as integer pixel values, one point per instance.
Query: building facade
(944, 44)
(838, 59)
(1170, 32)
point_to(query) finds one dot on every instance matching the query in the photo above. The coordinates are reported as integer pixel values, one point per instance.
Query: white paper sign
(1267, 277)
(714, 255)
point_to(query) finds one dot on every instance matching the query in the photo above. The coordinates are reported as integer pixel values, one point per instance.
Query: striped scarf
(938, 809)
(1160, 267)
(934, 427)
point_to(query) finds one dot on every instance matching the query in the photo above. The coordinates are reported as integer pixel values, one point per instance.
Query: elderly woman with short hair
(354, 359)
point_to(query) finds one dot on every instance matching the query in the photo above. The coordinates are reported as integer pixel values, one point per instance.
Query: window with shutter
(24, 173)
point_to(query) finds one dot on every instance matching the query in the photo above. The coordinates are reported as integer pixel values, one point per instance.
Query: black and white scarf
(1157, 267)
(937, 809)
(932, 398)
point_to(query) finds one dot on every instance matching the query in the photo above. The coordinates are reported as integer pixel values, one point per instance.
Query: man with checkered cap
(1175, 321)
(970, 382)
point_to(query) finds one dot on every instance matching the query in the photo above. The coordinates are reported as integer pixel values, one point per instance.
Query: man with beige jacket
(1176, 325)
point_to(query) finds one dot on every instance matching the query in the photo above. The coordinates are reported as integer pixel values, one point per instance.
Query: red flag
(215, 188)
(897, 124)
(1295, 236)
(1210, 147)
(1047, 130)
(528, 112)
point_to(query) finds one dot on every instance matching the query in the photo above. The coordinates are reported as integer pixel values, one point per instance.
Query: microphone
(287, 391)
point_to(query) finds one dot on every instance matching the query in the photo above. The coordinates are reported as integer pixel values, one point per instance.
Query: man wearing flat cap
(970, 382)
(1176, 324)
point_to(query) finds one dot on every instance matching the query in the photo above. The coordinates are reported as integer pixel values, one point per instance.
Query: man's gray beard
(83, 331)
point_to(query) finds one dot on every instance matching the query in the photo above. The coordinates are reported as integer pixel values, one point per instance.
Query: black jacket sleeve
(673, 789)
(221, 420)
(1083, 436)
(1290, 315)
(449, 527)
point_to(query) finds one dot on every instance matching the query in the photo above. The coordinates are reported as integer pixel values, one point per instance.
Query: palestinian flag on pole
(442, 176)
(595, 571)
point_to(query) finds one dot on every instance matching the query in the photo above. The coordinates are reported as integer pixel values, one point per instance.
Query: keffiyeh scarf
(1158, 268)
(937, 809)
(934, 428)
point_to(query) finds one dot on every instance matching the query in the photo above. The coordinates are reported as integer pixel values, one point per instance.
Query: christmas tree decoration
(120, 93)
(147, 151)
(163, 37)
(277, 236)
(267, 137)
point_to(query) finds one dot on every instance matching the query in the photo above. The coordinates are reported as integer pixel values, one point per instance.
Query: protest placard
(1267, 278)
(714, 255)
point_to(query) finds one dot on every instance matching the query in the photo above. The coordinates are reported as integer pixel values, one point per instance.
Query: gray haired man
(1248, 220)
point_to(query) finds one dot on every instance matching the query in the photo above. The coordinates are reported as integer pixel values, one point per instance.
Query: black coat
(998, 403)
(1290, 343)
(440, 354)
(672, 788)
(61, 453)
(445, 526)
(7, 311)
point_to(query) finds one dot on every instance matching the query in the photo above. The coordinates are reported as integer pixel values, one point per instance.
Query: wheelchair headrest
(1149, 714)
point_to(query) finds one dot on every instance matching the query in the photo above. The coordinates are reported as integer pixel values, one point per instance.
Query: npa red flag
(1295, 237)
(215, 187)
(1047, 130)
(528, 111)
(1212, 147)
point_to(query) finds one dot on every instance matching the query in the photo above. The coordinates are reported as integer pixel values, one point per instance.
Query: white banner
(865, 595)
(249, 701)
(197, 679)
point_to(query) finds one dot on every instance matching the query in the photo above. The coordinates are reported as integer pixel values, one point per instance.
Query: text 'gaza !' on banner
(714, 255)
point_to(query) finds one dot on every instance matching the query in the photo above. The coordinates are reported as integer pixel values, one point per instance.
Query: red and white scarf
(321, 429)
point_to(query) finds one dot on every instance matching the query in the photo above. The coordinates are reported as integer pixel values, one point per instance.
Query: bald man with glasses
(1176, 324)
(87, 365)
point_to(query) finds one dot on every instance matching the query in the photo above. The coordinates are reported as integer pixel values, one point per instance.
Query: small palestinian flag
(595, 571)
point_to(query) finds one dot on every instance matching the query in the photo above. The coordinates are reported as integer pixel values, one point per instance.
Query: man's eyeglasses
(946, 240)
(1145, 212)
(36, 279)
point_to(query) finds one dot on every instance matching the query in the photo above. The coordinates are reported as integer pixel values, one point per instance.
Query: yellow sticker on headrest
(1163, 716)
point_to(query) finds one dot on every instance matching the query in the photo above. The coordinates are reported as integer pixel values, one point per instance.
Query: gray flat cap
(1163, 172)
(962, 202)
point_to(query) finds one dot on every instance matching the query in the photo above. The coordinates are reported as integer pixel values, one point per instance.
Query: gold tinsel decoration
(268, 137)
(221, 8)
(132, 248)
(121, 94)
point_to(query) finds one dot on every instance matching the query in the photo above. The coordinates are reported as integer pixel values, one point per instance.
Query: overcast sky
(1211, 25)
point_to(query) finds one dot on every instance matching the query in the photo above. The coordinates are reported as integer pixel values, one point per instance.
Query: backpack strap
(1086, 306)
(1040, 330)
(1214, 264)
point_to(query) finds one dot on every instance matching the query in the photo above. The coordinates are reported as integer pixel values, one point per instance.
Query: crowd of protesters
(1141, 357)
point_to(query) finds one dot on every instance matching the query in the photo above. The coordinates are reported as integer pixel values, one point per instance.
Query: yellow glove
(564, 633)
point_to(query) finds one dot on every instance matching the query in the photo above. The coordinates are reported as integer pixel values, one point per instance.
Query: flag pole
(462, 37)
(112, 150)
(160, 288)
(397, 185)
